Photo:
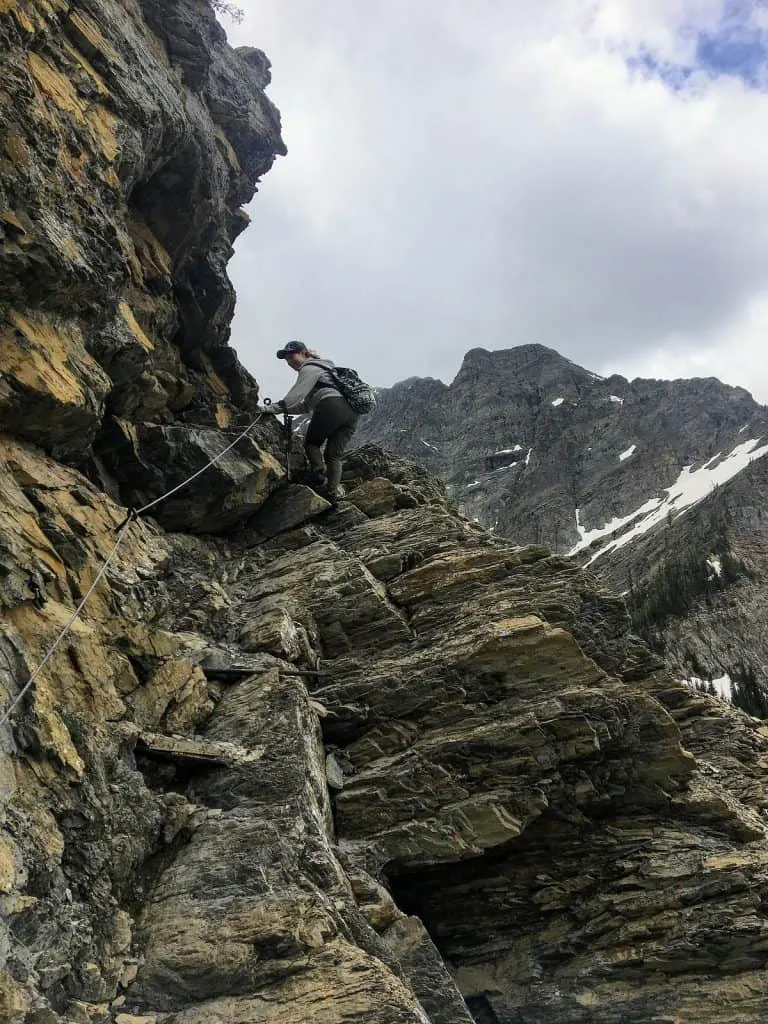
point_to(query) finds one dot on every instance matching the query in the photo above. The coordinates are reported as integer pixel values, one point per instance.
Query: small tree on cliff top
(224, 7)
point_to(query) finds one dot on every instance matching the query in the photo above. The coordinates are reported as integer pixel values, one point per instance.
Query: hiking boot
(317, 480)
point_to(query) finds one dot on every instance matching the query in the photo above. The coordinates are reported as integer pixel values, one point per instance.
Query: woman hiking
(333, 421)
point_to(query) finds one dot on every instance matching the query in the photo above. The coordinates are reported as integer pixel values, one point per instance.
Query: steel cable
(122, 529)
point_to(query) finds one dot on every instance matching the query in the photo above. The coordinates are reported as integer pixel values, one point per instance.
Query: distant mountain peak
(526, 365)
(650, 482)
(517, 356)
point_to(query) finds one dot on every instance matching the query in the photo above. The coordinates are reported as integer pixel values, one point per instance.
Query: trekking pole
(288, 431)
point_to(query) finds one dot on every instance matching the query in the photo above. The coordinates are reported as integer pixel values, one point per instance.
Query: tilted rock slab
(528, 817)
(364, 764)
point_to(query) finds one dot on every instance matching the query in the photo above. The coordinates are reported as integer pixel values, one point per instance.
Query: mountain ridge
(541, 450)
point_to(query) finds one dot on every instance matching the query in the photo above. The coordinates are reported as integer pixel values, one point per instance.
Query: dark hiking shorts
(332, 421)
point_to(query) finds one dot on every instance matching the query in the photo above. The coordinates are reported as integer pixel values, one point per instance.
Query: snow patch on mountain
(558, 401)
(628, 453)
(723, 685)
(690, 487)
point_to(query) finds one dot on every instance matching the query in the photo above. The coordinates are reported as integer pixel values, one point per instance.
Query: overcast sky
(587, 174)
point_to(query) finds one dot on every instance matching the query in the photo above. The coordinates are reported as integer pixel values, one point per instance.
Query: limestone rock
(52, 391)
(120, 191)
(371, 462)
(379, 496)
(150, 460)
(175, 698)
(288, 507)
(537, 821)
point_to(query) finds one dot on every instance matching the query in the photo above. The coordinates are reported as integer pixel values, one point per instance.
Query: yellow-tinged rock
(48, 362)
(8, 217)
(176, 697)
(60, 89)
(31, 469)
(214, 379)
(22, 19)
(379, 497)
(103, 127)
(135, 327)
(111, 178)
(88, 29)
(459, 568)
(587, 999)
(54, 736)
(94, 76)
(223, 416)
(78, 679)
(7, 866)
(151, 251)
(41, 826)
(41, 364)
(56, 86)
(17, 150)
(14, 999)
(14, 904)
(746, 859)
(74, 164)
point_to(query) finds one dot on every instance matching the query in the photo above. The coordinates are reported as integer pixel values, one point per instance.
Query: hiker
(333, 421)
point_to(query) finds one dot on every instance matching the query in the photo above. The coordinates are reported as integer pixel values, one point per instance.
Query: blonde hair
(311, 354)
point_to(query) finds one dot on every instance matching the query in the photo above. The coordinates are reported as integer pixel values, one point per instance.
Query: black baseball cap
(290, 348)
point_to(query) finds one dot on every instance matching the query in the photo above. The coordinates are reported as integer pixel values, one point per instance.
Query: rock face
(294, 763)
(658, 486)
(491, 802)
(131, 137)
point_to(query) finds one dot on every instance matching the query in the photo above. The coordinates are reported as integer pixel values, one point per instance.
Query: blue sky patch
(737, 47)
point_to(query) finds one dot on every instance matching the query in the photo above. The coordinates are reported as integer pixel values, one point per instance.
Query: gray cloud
(496, 176)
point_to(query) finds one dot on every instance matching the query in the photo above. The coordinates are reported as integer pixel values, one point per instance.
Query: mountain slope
(293, 763)
(609, 471)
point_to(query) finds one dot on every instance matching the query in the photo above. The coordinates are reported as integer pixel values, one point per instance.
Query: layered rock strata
(365, 764)
(382, 766)
(131, 136)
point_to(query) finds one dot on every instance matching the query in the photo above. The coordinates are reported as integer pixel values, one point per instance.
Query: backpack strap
(322, 383)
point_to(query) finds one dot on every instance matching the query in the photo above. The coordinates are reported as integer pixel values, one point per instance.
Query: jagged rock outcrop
(131, 136)
(370, 763)
(658, 486)
(578, 833)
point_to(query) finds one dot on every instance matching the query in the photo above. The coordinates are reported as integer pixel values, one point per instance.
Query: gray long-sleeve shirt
(304, 396)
